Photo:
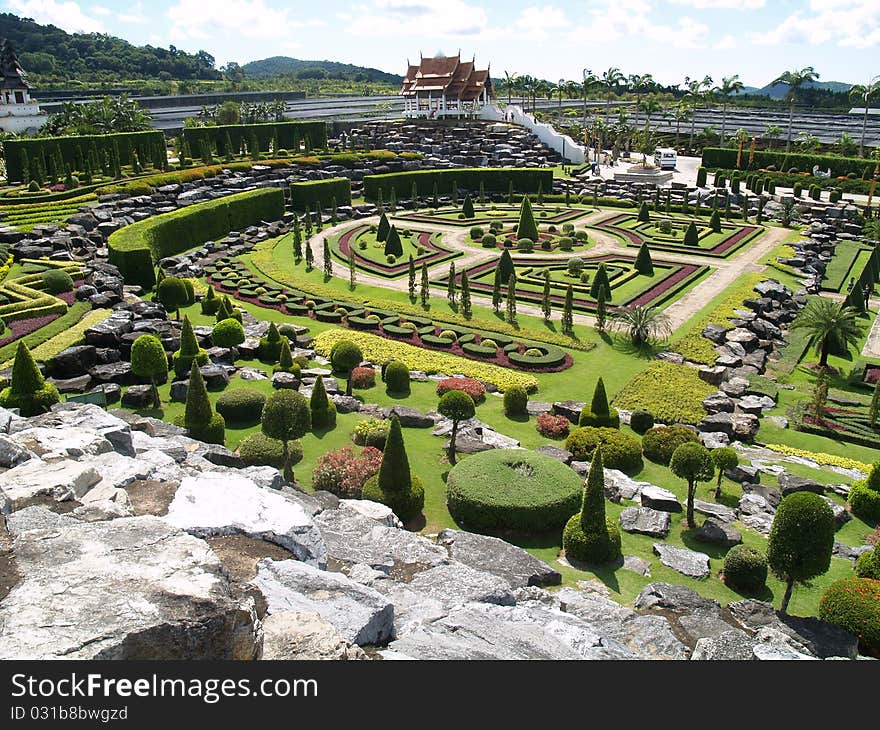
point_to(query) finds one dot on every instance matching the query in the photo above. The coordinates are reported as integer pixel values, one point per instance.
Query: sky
(756, 39)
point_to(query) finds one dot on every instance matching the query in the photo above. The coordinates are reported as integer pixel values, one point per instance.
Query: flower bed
(672, 393)
(434, 254)
(821, 458)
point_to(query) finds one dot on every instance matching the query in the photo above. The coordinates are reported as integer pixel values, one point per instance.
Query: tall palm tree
(829, 324)
(510, 81)
(864, 94)
(642, 324)
(681, 112)
(697, 93)
(729, 85)
(590, 82)
(794, 80)
(649, 106)
(611, 79)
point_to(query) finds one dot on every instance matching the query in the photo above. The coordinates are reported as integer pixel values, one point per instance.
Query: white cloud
(850, 23)
(68, 16)
(416, 19)
(101, 10)
(722, 4)
(547, 17)
(248, 18)
(133, 15)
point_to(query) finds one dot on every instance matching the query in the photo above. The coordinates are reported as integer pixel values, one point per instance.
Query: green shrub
(319, 194)
(210, 302)
(641, 421)
(56, 281)
(27, 390)
(619, 450)
(516, 402)
(260, 450)
(512, 489)
(868, 564)
(489, 241)
(494, 180)
(477, 233)
(289, 135)
(660, 442)
(228, 333)
(395, 486)
(189, 351)
(865, 501)
(286, 417)
(270, 345)
(854, 605)
(172, 293)
(148, 360)
(397, 377)
(323, 410)
(371, 432)
(745, 569)
(593, 547)
(241, 405)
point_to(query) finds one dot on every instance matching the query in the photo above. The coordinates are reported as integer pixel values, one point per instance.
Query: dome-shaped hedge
(660, 442)
(619, 450)
(260, 450)
(512, 489)
(854, 605)
(397, 377)
(241, 405)
(745, 568)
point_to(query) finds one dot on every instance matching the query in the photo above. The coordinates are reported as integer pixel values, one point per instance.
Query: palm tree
(696, 95)
(590, 81)
(510, 81)
(649, 106)
(681, 113)
(729, 85)
(864, 94)
(772, 132)
(642, 324)
(794, 80)
(611, 79)
(829, 324)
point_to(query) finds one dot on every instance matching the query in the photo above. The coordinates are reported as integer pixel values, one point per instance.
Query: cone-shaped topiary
(227, 311)
(527, 228)
(323, 410)
(644, 264)
(383, 229)
(393, 246)
(505, 268)
(189, 351)
(691, 236)
(468, 208)
(199, 418)
(601, 286)
(286, 417)
(286, 363)
(589, 536)
(598, 413)
(715, 222)
(394, 485)
(270, 345)
(27, 390)
(644, 213)
(210, 302)
(148, 360)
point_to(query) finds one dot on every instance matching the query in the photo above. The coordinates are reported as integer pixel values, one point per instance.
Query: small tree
(644, 213)
(352, 270)
(456, 406)
(568, 312)
(425, 288)
(496, 295)
(395, 485)
(693, 463)
(691, 236)
(601, 314)
(189, 351)
(297, 240)
(286, 418)
(323, 410)
(527, 228)
(172, 294)
(286, 363)
(465, 298)
(599, 404)
(310, 256)
(468, 208)
(327, 260)
(148, 360)
(27, 390)
(546, 305)
(393, 245)
(724, 458)
(601, 285)
(511, 299)
(345, 357)
(715, 221)
(412, 279)
(450, 287)
(820, 395)
(589, 536)
(801, 540)
(644, 264)
(198, 417)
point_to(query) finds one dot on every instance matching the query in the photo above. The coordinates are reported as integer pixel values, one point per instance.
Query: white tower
(18, 111)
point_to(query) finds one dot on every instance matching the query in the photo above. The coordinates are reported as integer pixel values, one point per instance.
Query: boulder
(456, 583)
(138, 397)
(754, 504)
(360, 614)
(716, 532)
(789, 484)
(687, 562)
(554, 452)
(718, 402)
(771, 495)
(285, 381)
(730, 645)
(87, 417)
(345, 403)
(61, 481)
(674, 598)
(127, 589)
(12, 453)
(570, 409)
(660, 499)
(411, 418)
(299, 636)
(216, 376)
(492, 555)
(645, 521)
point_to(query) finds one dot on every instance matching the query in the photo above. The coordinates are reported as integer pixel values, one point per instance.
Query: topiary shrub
(323, 410)
(371, 432)
(286, 418)
(343, 472)
(199, 418)
(448, 335)
(27, 390)
(397, 377)
(477, 233)
(474, 388)
(854, 604)
(260, 450)
(395, 485)
(228, 333)
(270, 345)
(345, 356)
(172, 294)
(745, 569)
(489, 241)
(641, 421)
(148, 360)
(516, 402)
(241, 405)
(598, 413)
(619, 450)
(210, 302)
(57, 281)
(864, 497)
(189, 351)
(589, 536)
(512, 489)
(552, 427)
(660, 442)
(286, 363)
(868, 564)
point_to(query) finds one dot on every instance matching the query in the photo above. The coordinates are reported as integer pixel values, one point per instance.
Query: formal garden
(427, 357)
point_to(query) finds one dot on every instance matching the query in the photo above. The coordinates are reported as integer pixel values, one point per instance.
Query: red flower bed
(363, 378)
(474, 388)
(553, 427)
(344, 473)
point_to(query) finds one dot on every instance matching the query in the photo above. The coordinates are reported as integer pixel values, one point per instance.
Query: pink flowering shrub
(344, 472)
(474, 388)
(553, 427)
(363, 378)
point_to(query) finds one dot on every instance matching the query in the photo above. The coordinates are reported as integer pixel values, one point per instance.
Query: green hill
(281, 66)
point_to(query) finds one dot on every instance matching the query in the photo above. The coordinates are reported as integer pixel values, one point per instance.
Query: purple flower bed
(23, 327)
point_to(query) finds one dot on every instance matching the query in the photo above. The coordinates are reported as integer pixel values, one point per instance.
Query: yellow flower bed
(380, 349)
(696, 348)
(672, 393)
(820, 458)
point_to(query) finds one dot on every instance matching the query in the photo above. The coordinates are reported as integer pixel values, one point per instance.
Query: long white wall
(561, 143)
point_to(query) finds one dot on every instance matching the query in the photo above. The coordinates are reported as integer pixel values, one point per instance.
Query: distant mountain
(285, 66)
(778, 91)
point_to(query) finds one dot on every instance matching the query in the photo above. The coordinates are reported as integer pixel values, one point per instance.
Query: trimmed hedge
(717, 157)
(126, 143)
(745, 568)
(319, 194)
(135, 248)
(287, 135)
(854, 605)
(260, 450)
(864, 502)
(619, 450)
(241, 405)
(660, 442)
(512, 489)
(493, 179)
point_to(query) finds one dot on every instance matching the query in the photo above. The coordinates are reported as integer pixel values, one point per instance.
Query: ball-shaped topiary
(397, 377)
(345, 356)
(868, 564)
(659, 443)
(27, 390)
(448, 335)
(641, 421)
(148, 360)
(619, 450)
(286, 417)
(854, 605)
(745, 569)
(864, 501)
(512, 489)
(516, 402)
(228, 333)
(241, 405)
(57, 281)
(260, 450)
(172, 294)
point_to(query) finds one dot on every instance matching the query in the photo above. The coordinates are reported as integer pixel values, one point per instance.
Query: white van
(665, 158)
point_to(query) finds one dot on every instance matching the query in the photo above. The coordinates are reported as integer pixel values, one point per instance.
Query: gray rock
(687, 562)
(554, 452)
(88, 417)
(645, 521)
(345, 403)
(771, 495)
(12, 454)
(456, 583)
(754, 504)
(285, 381)
(637, 565)
(659, 499)
(728, 646)
(716, 532)
(570, 409)
(760, 522)
(137, 397)
(718, 511)
(61, 481)
(499, 558)
(789, 484)
(360, 614)
(718, 402)
(133, 588)
(736, 387)
(412, 418)
(674, 598)
(293, 635)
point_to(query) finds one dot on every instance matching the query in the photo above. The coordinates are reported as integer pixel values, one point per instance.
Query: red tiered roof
(448, 76)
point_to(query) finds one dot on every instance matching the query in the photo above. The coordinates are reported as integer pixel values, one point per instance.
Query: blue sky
(758, 39)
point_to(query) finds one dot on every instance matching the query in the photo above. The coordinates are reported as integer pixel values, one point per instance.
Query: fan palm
(510, 82)
(864, 94)
(642, 324)
(729, 85)
(611, 79)
(829, 324)
(794, 80)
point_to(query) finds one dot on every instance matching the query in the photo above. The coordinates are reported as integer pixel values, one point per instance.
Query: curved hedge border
(525, 180)
(135, 248)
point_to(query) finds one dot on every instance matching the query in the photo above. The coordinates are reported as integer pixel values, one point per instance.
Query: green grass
(850, 258)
